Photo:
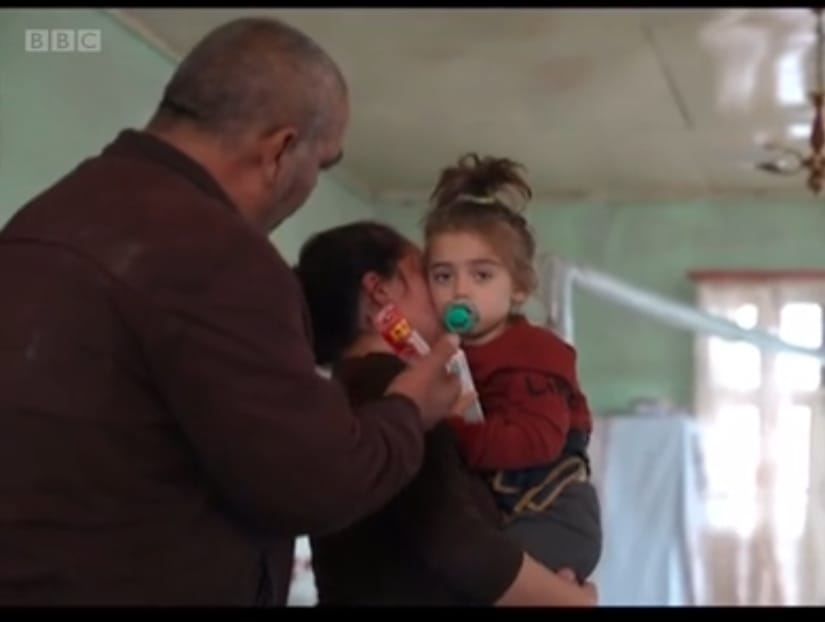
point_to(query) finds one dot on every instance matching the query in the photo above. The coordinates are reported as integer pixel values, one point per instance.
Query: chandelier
(792, 161)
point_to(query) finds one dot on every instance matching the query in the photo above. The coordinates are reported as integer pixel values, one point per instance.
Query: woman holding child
(493, 499)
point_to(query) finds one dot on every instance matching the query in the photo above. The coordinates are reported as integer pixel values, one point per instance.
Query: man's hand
(428, 383)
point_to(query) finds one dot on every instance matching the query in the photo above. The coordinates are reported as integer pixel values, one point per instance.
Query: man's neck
(211, 156)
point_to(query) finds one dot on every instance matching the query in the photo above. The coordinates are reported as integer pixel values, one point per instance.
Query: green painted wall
(623, 355)
(56, 109)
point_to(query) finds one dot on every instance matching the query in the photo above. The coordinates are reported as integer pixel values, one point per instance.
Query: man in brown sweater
(163, 433)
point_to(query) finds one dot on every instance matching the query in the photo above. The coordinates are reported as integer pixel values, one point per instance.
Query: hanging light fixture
(792, 161)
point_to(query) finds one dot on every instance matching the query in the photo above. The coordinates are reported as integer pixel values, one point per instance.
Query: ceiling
(600, 104)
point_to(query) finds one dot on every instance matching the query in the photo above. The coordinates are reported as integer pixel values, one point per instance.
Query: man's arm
(278, 440)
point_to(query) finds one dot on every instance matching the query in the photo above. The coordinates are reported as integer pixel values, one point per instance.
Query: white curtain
(761, 421)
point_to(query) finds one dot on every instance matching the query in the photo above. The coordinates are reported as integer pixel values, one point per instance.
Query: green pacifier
(460, 317)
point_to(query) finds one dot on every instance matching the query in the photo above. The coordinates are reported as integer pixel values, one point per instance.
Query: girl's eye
(441, 277)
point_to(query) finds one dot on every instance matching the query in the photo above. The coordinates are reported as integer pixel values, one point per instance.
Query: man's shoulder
(146, 226)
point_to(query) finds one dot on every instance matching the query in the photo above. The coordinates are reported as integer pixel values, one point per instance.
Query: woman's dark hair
(331, 265)
(486, 196)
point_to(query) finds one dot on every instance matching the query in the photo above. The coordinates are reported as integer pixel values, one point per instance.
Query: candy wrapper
(397, 332)
(408, 344)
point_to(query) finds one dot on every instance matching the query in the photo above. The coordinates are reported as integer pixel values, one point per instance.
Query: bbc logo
(63, 40)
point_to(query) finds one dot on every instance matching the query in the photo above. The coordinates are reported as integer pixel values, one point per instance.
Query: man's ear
(272, 147)
(375, 289)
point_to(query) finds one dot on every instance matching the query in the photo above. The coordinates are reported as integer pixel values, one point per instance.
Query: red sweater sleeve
(526, 423)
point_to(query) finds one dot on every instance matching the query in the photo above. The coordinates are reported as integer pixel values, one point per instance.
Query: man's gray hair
(254, 74)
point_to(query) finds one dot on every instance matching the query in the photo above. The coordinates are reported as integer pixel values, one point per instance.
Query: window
(756, 405)
(755, 408)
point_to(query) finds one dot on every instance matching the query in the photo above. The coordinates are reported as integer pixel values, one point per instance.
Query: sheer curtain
(761, 417)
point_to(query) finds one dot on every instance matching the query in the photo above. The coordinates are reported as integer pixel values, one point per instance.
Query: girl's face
(463, 265)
